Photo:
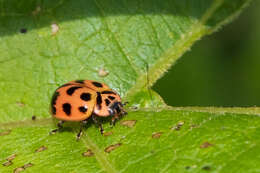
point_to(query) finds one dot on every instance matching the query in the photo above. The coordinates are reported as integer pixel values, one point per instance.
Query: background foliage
(220, 70)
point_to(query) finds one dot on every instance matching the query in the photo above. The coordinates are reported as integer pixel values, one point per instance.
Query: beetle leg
(83, 123)
(113, 121)
(60, 123)
(94, 118)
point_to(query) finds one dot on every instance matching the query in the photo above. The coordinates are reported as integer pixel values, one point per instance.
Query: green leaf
(135, 42)
(174, 140)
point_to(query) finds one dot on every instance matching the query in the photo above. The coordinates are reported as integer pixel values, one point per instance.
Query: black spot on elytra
(83, 109)
(97, 84)
(108, 92)
(53, 102)
(71, 90)
(79, 81)
(107, 102)
(99, 100)
(111, 97)
(67, 108)
(85, 96)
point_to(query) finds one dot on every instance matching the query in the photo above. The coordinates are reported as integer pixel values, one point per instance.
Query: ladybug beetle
(81, 99)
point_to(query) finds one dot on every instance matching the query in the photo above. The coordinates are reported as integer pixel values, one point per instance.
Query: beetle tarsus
(96, 121)
(101, 129)
(83, 123)
(60, 123)
(79, 134)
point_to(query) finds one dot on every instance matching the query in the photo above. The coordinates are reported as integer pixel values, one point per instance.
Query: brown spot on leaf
(54, 28)
(193, 126)
(88, 153)
(112, 147)
(11, 157)
(8, 163)
(7, 132)
(102, 72)
(27, 165)
(178, 126)
(17, 170)
(42, 148)
(36, 11)
(128, 123)
(205, 145)
(157, 135)
(21, 104)
(108, 133)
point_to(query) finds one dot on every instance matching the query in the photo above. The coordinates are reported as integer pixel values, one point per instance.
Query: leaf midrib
(99, 155)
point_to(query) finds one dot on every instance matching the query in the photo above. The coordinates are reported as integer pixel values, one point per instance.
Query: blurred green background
(221, 69)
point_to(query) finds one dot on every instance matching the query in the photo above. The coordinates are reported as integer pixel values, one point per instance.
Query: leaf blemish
(10, 158)
(88, 153)
(5, 133)
(187, 167)
(102, 72)
(54, 29)
(112, 147)
(17, 170)
(206, 145)
(23, 30)
(36, 11)
(21, 104)
(27, 165)
(128, 123)
(178, 126)
(108, 133)
(193, 126)
(134, 107)
(20, 169)
(8, 163)
(42, 148)
(157, 135)
(207, 168)
(33, 117)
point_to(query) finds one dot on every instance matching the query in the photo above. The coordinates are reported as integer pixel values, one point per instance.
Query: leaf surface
(135, 42)
(173, 140)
